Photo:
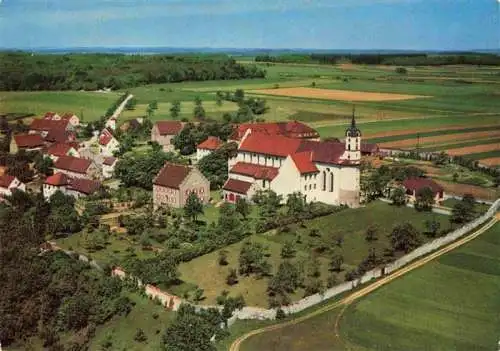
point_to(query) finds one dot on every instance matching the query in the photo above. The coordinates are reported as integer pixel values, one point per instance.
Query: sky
(318, 24)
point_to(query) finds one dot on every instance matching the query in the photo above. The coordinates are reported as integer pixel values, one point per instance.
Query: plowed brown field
(331, 94)
(442, 139)
(492, 161)
(473, 149)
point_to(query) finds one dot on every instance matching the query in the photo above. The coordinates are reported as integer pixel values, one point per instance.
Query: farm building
(322, 171)
(70, 117)
(76, 187)
(108, 167)
(62, 149)
(207, 147)
(28, 142)
(108, 144)
(44, 126)
(173, 184)
(164, 131)
(76, 167)
(9, 183)
(414, 185)
(291, 129)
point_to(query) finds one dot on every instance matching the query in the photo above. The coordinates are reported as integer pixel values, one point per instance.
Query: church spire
(353, 130)
(353, 120)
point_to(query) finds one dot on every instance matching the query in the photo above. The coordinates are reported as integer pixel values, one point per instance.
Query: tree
(463, 211)
(131, 103)
(154, 105)
(242, 207)
(424, 199)
(371, 233)
(193, 207)
(222, 260)
(228, 223)
(398, 196)
(198, 295)
(140, 336)
(252, 259)
(432, 227)
(44, 165)
(286, 280)
(404, 237)
(219, 96)
(199, 111)
(295, 203)
(401, 70)
(239, 96)
(288, 250)
(336, 262)
(232, 277)
(175, 109)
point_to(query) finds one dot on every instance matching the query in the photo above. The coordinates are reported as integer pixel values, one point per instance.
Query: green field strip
(460, 145)
(481, 155)
(431, 133)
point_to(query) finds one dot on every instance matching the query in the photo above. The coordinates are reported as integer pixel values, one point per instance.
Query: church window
(331, 182)
(305, 187)
(324, 181)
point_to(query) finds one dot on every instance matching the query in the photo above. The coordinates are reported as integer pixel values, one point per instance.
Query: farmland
(449, 304)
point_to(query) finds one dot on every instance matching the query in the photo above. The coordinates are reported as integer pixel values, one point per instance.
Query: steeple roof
(353, 130)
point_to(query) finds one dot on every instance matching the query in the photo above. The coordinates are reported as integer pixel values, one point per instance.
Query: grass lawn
(449, 304)
(351, 224)
(92, 105)
(480, 207)
(121, 330)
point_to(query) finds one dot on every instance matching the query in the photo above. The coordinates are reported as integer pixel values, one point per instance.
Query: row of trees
(24, 71)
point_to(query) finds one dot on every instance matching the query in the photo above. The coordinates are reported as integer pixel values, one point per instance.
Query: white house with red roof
(9, 183)
(207, 147)
(62, 149)
(414, 185)
(28, 142)
(164, 131)
(76, 187)
(108, 167)
(75, 167)
(70, 117)
(322, 171)
(108, 144)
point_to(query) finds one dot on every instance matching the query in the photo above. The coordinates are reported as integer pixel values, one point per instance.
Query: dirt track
(332, 94)
(345, 302)
(438, 139)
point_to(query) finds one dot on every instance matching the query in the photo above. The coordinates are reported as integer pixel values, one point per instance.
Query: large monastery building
(285, 162)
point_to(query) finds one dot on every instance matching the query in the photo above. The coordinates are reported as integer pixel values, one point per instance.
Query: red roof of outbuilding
(73, 164)
(415, 184)
(59, 149)
(172, 175)
(28, 140)
(59, 136)
(58, 179)
(169, 127)
(67, 115)
(291, 129)
(49, 115)
(211, 143)
(237, 186)
(254, 171)
(109, 161)
(304, 162)
(85, 186)
(6, 180)
(48, 124)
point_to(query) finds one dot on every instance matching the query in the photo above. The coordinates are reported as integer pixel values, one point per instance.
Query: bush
(280, 314)
(140, 336)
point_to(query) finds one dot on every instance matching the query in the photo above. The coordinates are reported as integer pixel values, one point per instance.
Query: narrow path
(348, 300)
(120, 108)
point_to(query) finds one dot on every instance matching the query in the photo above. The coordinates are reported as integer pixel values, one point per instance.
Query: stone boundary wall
(173, 302)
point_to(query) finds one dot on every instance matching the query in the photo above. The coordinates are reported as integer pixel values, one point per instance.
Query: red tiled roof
(105, 137)
(211, 143)
(304, 163)
(109, 161)
(237, 186)
(291, 129)
(324, 152)
(172, 175)
(254, 171)
(59, 149)
(48, 124)
(67, 115)
(6, 180)
(169, 127)
(28, 140)
(415, 184)
(369, 148)
(58, 179)
(73, 164)
(49, 115)
(275, 145)
(85, 186)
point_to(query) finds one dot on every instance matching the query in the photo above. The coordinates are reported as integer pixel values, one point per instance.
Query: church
(324, 171)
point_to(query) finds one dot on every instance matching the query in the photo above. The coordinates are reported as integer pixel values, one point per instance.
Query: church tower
(353, 140)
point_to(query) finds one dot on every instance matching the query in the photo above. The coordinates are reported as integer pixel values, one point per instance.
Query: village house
(207, 147)
(10, 183)
(290, 129)
(70, 117)
(108, 167)
(322, 171)
(62, 149)
(108, 144)
(27, 142)
(173, 184)
(44, 126)
(75, 167)
(164, 131)
(76, 187)
(414, 185)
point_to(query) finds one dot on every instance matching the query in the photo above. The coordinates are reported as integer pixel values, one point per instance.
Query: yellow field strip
(346, 301)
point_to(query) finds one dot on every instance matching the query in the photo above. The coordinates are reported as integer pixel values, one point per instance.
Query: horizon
(383, 25)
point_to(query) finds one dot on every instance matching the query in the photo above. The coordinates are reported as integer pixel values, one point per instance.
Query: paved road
(345, 302)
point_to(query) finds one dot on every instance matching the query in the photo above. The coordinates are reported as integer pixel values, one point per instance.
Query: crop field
(450, 303)
(330, 94)
(90, 105)
(477, 149)
(491, 161)
(206, 272)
